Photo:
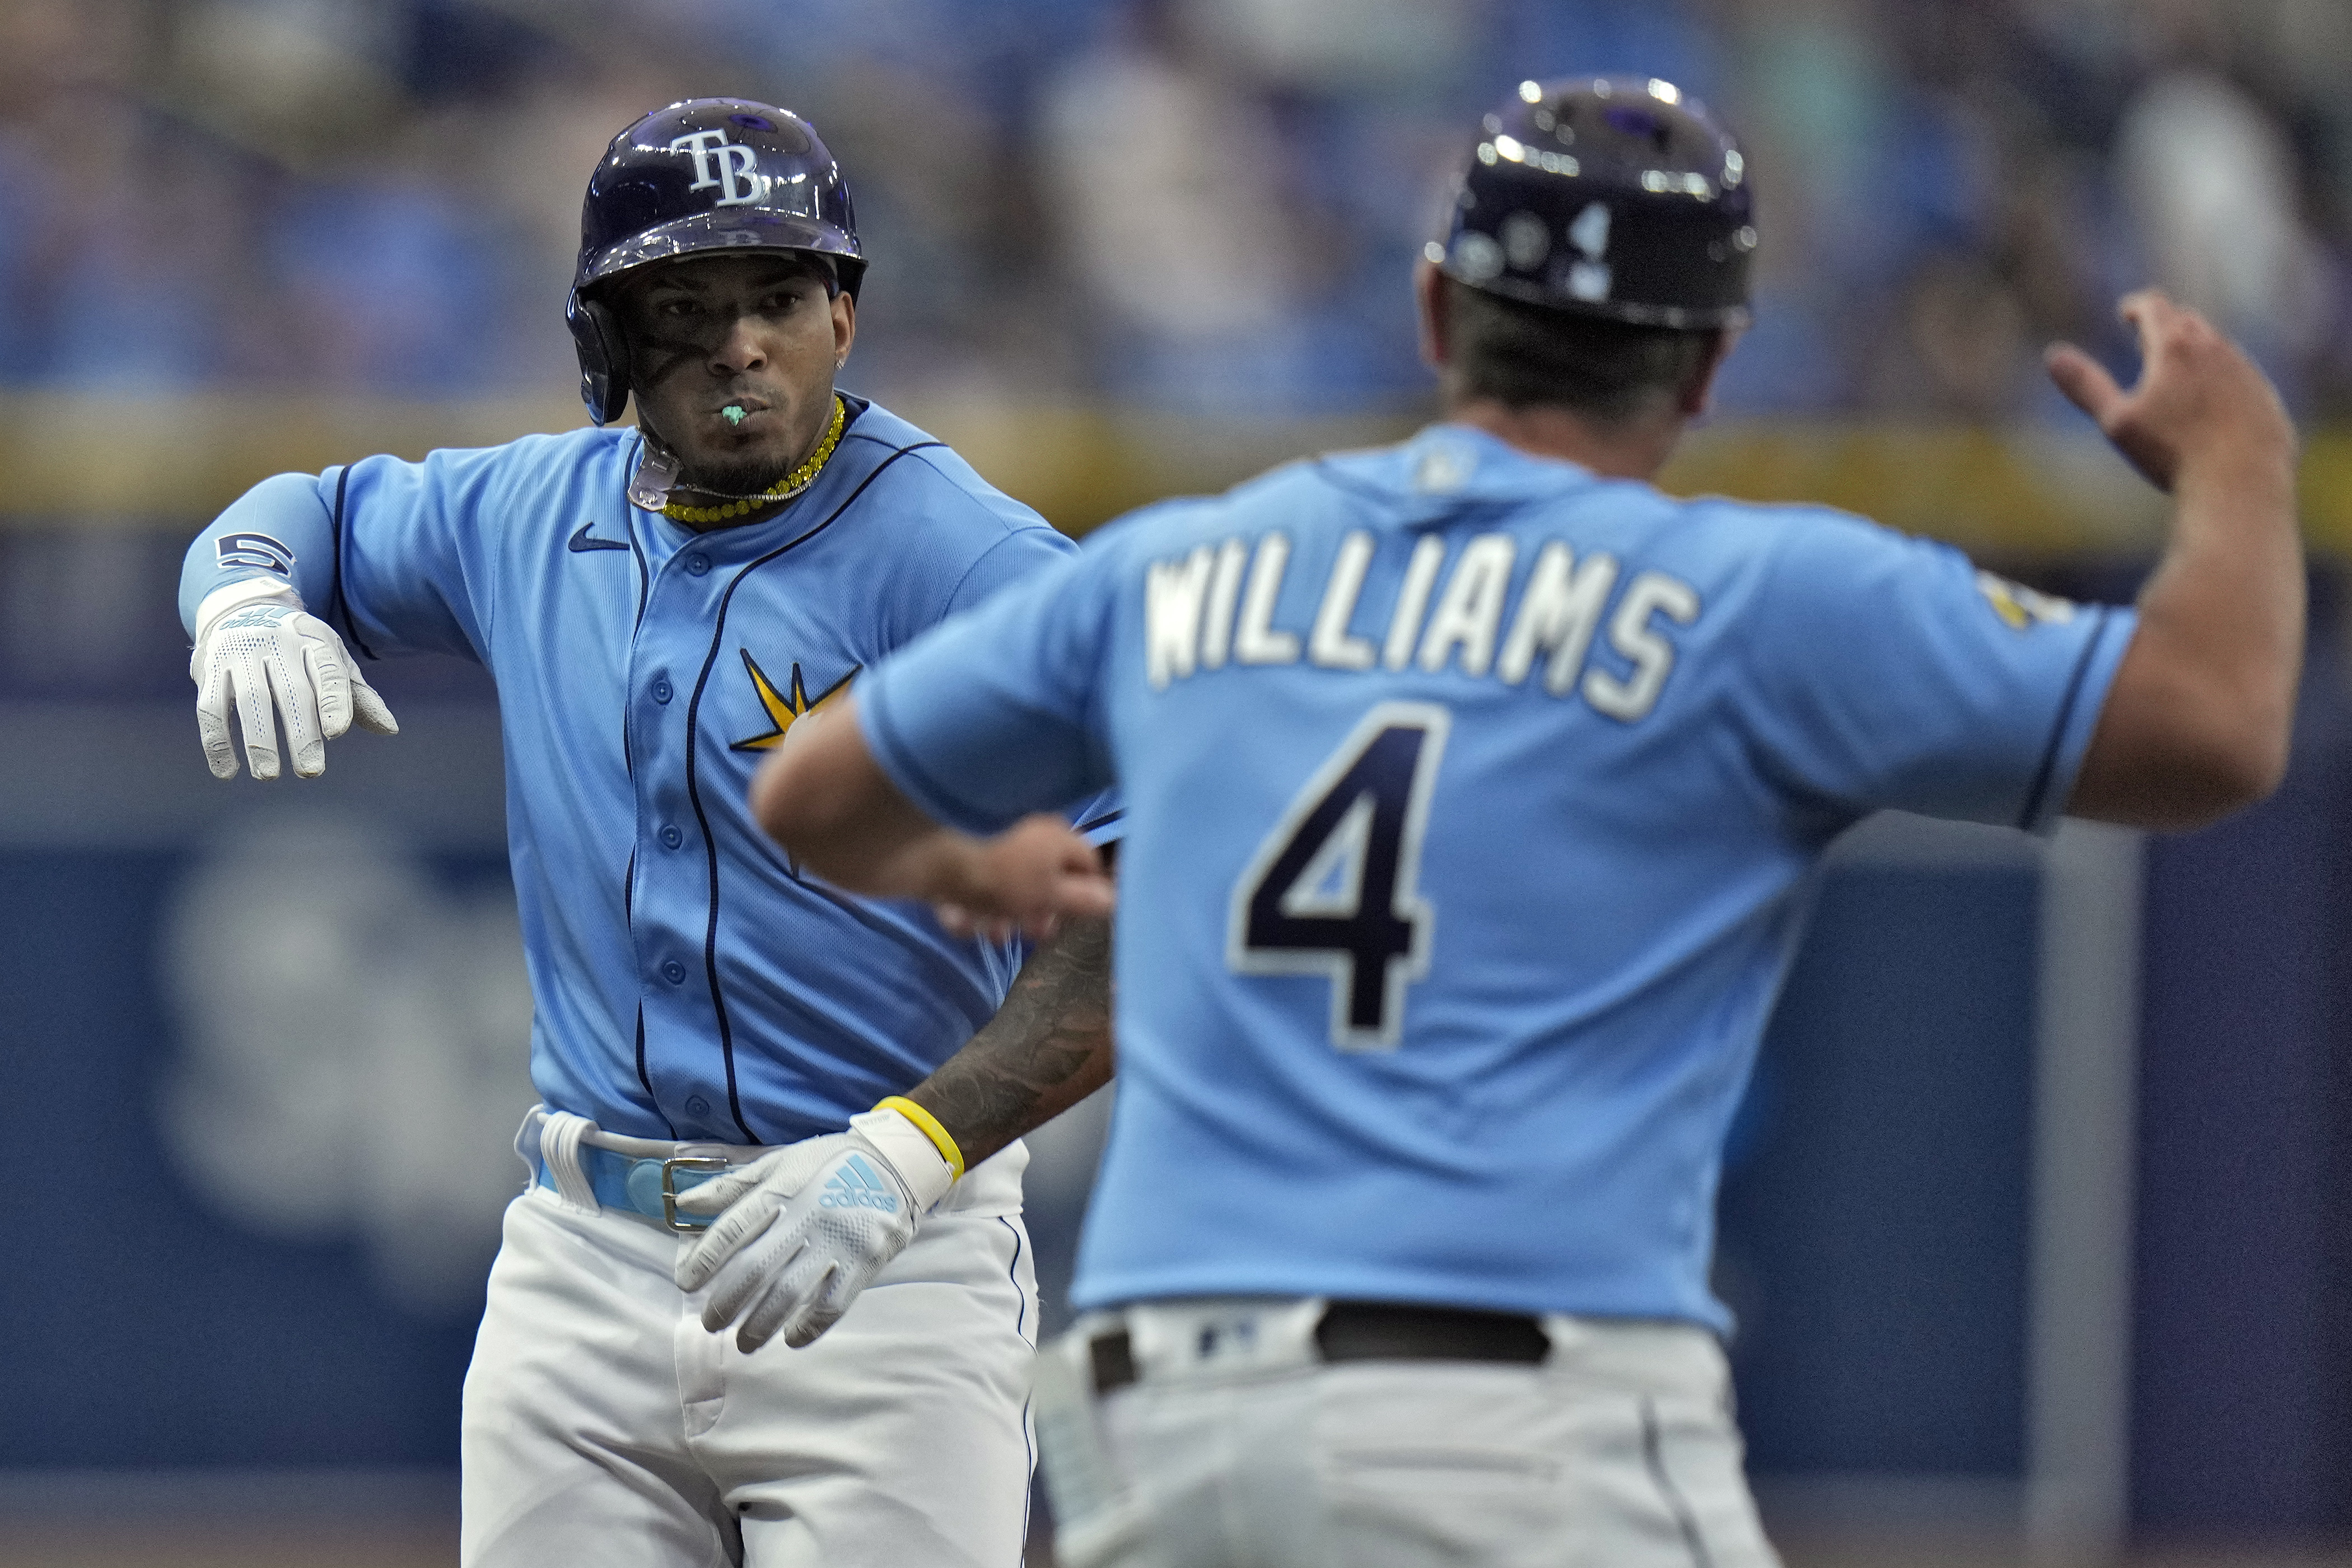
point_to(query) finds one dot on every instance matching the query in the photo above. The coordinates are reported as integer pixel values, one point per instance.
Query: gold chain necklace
(791, 485)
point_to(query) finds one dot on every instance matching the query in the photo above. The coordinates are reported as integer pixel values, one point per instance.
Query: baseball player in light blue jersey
(759, 1095)
(1474, 789)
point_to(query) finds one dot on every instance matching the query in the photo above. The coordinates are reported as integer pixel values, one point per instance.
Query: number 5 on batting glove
(257, 648)
(801, 1230)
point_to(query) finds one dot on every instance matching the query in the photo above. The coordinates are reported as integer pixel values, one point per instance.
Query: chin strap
(656, 473)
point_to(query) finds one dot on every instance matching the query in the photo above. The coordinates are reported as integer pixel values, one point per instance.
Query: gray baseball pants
(1237, 1445)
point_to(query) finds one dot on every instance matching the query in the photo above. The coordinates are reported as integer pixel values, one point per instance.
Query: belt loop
(526, 1143)
(1110, 1361)
(559, 1148)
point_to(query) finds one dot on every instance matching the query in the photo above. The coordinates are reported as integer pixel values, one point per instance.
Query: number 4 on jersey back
(1333, 888)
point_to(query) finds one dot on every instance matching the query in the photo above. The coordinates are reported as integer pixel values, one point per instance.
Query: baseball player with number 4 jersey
(761, 1096)
(1475, 787)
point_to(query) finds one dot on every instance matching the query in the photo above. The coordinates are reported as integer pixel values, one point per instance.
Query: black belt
(1376, 1330)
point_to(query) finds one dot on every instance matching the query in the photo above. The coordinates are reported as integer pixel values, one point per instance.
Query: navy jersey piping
(1019, 1323)
(1013, 1272)
(342, 606)
(1105, 820)
(644, 1077)
(694, 782)
(645, 578)
(644, 597)
(2043, 774)
(1012, 530)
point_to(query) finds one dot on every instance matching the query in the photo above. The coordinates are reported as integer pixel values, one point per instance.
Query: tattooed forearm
(1048, 1047)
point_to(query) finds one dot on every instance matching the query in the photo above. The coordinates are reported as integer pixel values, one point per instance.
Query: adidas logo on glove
(856, 1186)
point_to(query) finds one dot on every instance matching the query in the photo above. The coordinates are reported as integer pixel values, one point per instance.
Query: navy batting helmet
(1612, 196)
(709, 174)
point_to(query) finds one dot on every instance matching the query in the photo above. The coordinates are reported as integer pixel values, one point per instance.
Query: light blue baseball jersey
(1472, 801)
(687, 983)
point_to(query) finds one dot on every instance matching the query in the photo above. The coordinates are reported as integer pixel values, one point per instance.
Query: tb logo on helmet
(736, 178)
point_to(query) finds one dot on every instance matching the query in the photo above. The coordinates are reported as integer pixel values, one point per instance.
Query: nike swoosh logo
(581, 541)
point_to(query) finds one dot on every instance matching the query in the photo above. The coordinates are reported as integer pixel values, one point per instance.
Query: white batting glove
(803, 1229)
(257, 647)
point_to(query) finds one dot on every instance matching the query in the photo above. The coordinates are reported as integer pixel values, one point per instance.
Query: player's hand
(2198, 397)
(1028, 879)
(800, 1230)
(258, 649)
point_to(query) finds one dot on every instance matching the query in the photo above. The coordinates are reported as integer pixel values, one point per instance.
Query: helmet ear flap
(603, 357)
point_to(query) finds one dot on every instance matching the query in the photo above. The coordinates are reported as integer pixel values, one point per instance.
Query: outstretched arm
(258, 650)
(825, 797)
(2198, 720)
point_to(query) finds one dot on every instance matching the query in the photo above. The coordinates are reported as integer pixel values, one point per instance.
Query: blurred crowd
(1200, 204)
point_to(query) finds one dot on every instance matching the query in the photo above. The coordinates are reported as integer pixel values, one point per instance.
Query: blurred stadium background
(2039, 1218)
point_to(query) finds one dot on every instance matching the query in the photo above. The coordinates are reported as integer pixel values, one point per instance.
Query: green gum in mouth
(733, 414)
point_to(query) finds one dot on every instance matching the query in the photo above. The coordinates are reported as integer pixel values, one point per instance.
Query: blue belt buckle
(669, 1169)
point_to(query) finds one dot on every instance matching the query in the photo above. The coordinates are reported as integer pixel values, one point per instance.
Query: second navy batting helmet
(709, 174)
(1612, 196)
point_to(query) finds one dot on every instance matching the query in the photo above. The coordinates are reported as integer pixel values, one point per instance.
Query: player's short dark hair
(1521, 354)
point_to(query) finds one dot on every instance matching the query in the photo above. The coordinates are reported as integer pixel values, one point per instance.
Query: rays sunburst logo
(786, 705)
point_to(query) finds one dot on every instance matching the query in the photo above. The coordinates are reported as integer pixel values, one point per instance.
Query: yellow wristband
(931, 1130)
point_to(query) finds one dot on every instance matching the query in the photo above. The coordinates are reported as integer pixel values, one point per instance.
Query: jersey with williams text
(1472, 802)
